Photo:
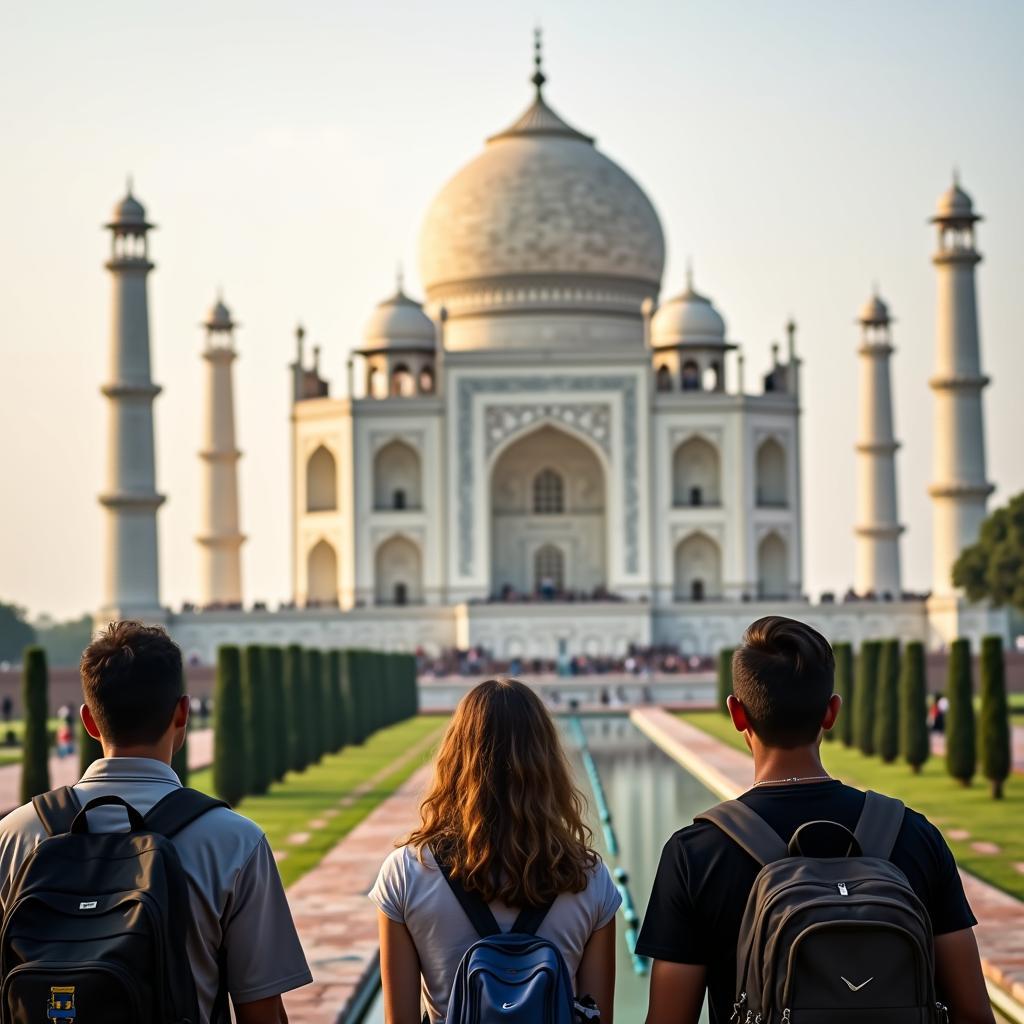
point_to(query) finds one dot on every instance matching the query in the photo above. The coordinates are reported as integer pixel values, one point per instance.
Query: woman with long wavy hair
(505, 819)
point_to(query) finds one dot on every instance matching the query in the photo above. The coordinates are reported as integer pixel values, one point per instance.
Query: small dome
(955, 204)
(128, 211)
(687, 319)
(219, 317)
(874, 312)
(399, 323)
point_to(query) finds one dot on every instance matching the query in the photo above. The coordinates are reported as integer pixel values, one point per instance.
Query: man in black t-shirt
(782, 702)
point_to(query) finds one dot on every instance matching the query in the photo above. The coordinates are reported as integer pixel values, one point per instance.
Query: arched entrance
(772, 574)
(696, 476)
(548, 496)
(321, 482)
(397, 478)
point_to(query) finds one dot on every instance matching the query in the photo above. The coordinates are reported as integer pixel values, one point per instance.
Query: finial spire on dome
(689, 273)
(128, 185)
(399, 279)
(956, 176)
(538, 77)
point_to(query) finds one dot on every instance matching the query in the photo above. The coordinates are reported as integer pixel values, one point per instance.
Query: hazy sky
(288, 152)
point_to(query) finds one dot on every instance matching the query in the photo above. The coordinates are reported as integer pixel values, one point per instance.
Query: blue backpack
(509, 977)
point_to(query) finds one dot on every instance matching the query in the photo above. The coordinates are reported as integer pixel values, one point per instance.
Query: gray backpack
(834, 939)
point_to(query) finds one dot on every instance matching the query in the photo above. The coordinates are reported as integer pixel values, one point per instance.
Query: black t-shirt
(704, 878)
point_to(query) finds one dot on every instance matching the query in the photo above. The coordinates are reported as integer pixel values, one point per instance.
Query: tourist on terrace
(506, 820)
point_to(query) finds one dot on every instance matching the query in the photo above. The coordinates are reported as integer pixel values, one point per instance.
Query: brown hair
(783, 675)
(132, 679)
(502, 812)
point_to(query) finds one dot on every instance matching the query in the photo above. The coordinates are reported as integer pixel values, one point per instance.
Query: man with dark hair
(241, 932)
(782, 702)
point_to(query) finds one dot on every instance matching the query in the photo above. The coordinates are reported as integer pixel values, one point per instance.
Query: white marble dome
(540, 206)
(687, 319)
(399, 323)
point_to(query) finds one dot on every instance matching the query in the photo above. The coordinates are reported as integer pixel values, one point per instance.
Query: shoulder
(22, 823)
(233, 838)
(918, 835)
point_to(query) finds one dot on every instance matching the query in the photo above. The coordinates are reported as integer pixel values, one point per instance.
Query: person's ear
(835, 702)
(180, 719)
(738, 714)
(89, 722)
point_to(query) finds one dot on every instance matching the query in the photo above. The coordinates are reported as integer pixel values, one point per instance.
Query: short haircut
(132, 680)
(783, 674)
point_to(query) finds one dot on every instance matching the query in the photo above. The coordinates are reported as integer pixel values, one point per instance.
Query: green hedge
(316, 733)
(256, 697)
(35, 743)
(914, 742)
(724, 678)
(865, 689)
(274, 666)
(230, 755)
(887, 703)
(994, 746)
(296, 699)
(89, 748)
(961, 756)
(844, 687)
(336, 701)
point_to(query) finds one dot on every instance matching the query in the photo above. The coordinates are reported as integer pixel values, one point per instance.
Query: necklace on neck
(794, 778)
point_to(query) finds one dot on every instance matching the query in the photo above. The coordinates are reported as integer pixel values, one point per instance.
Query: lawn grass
(302, 797)
(948, 804)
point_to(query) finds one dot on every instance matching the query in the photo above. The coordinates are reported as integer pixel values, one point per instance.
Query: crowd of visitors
(129, 898)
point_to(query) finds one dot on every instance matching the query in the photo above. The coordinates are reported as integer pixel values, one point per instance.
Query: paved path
(64, 770)
(1016, 740)
(337, 923)
(728, 773)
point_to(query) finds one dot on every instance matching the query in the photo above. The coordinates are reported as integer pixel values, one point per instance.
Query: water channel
(649, 796)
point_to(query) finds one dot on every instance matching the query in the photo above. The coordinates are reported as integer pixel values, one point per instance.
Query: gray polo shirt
(238, 902)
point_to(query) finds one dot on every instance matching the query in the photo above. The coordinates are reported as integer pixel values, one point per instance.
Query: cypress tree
(887, 703)
(961, 760)
(843, 729)
(230, 755)
(336, 700)
(298, 718)
(412, 681)
(350, 697)
(865, 688)
(35, 743)
(914, 743)
(994, 720)
(724, 678)
(89, 749)
(257, 719)
(315, 705)
(278, 711)
(361, 668)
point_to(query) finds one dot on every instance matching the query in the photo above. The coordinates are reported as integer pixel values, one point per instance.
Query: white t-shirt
(418, 896)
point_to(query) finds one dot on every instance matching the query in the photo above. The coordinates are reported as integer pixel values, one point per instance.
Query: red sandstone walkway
(728, 772)
(64, 770)
(336, 922)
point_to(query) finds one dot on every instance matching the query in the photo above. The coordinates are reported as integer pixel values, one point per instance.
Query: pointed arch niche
(397, 477)
(771, 475)
(398, 572)
(772, 572)
(698, 569)
(322, 574)
(321, 481)
(696, 474)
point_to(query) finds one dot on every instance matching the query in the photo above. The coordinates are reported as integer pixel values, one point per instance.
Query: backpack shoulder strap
(57, 809)
(531, 918)
(747, 829)
(179, 808)
(879, 824)
(479, 914)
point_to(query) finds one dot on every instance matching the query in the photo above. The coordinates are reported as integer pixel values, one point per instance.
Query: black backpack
(830, 940)
(95, 922)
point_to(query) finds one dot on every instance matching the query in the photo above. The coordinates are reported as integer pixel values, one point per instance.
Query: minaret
(132, 583)
(878, 529)
(960, 489)
(221, 540)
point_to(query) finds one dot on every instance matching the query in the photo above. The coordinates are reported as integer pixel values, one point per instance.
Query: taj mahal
(543, 454)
